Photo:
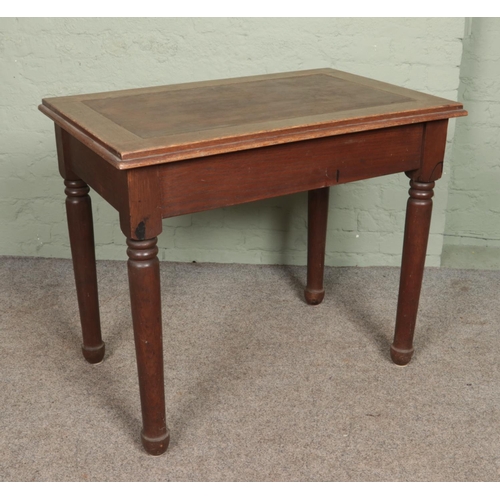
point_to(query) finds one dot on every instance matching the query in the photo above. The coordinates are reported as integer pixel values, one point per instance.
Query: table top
(148, 126)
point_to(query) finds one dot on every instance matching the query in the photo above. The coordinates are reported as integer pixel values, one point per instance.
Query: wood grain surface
(141, 127)
(214, 144)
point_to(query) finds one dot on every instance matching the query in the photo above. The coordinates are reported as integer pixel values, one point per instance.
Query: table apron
(228, 179)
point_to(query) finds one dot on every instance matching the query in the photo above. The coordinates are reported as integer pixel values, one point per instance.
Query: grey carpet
(259, 386)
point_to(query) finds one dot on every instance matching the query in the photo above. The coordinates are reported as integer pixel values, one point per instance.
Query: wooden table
(164, 151)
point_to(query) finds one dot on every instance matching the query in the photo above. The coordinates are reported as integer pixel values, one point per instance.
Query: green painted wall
(49, 57)
(472, 229)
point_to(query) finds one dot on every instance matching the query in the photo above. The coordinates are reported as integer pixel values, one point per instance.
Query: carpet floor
(259, 385)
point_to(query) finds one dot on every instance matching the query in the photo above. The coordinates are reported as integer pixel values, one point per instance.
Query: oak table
(164, 151)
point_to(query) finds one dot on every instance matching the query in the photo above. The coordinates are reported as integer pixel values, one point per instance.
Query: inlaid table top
(214, 144)
(147, 126)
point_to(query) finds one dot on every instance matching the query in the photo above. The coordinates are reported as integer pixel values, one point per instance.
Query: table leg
(418, 220)
(81, 236)
(316, 241)
(145, 297)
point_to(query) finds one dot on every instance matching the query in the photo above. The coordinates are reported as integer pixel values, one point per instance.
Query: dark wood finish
(81, 237)
(133, 194)
(418, 221)
(316, 240)
(232, 178)
(106, 180)
(145, 298)
(417, 225)
(165, 151)
(432, 155)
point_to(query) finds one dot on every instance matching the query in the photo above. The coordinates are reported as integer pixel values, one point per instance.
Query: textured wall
(49, 57)
(473, 213)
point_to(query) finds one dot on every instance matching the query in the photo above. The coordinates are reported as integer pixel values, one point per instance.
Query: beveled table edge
(253, 141)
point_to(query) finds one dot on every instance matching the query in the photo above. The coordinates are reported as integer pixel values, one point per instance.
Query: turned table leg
(145, 297)
(316, 240)
(418, 220)
(81, 236)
